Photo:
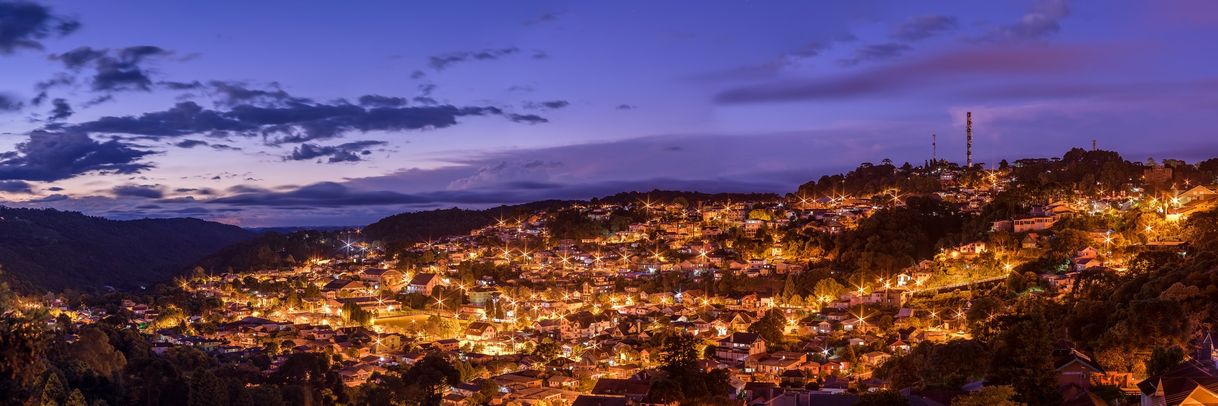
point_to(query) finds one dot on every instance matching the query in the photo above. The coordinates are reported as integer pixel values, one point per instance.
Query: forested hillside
(50, 249)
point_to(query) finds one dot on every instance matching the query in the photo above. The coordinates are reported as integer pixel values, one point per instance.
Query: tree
(946, 366)
(271, 347)
(1023, 358)
(679, 351)
(303, 368)
(770, 327)
(53, 391)
(1202, 230)
(981, 311)
(788, 290)
(438, 326)
(952, 364)
(6, 294)
(22, 347)
(988, 396)
(266, 396)
(547, 349)
(572, 224)
(293, 299)
(1163, 359)
(760, 214)
(298, 395)
(487, 390)
(94, 350)
(353, 313)
(75, 399)
(431, 375)
(897, 237)
(905, 370)
(683, 381)
(207, 390)
(828, 289)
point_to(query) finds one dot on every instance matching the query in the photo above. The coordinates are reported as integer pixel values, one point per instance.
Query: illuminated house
(1190, 383)
(382, 278)
(739, 346)
(1033, 224)
(480, 331)
(343, 288)
(422, 284)
(635, 391)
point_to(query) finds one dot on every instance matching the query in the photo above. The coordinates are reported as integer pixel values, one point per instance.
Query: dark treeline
(869, 178)
(401, 230)
(48, 249)
(896, 238)
(272, 250)
(1078, 170)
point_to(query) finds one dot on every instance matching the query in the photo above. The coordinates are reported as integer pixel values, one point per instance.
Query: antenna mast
(968, 139)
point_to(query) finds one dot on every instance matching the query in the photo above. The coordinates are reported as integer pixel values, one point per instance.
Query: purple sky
(332, 113)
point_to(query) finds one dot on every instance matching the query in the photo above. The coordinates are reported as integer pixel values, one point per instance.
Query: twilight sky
(337, 113)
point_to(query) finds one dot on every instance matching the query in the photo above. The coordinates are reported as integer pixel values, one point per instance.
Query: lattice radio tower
(968, 140)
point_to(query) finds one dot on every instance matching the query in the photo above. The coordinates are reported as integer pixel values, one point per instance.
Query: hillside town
(593, 303)
(608, 203)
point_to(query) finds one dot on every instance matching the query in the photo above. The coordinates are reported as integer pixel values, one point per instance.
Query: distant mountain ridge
(277, 248)
(51, 249)
(413, 227)
(292, 229)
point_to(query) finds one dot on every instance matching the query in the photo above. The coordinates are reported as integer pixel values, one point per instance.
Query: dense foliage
(50, 249)
(273, 250)
(896, 238)
(571, 224)
(869, 178)
(409, 228)
(1078, 170)
(683, 381)
(1140, 321)
(420, 384)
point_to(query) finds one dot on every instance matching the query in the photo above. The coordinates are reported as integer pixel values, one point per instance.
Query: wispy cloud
(892, 79)
(23, 25)
(114, 69)
(1041, 21)
(445, 61)
(876, 52)
(922, 27)
(347, 152)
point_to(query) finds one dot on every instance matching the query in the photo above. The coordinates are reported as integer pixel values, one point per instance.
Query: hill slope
(412, 227)
(50, 249)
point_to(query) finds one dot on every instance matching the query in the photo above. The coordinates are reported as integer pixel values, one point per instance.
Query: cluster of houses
(589, 298)
(597, 304)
